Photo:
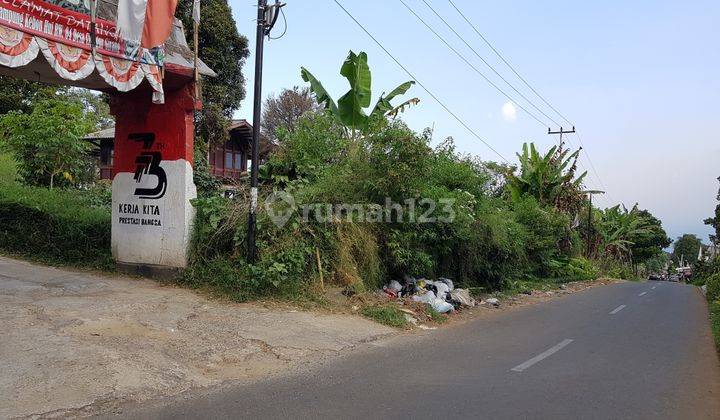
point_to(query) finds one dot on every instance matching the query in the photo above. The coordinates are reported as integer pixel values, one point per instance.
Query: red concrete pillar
(152, 180)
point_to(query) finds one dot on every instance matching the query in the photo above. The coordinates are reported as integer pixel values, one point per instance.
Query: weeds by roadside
(714, 308)
(388, 315)
(62, 227)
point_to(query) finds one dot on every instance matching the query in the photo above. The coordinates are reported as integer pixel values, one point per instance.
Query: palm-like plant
(616, 227)
(350, 108)
(550, 178)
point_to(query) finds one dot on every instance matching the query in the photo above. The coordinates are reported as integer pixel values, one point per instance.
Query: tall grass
(54, 226)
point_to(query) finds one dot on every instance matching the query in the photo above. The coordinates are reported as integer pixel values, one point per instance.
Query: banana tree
(617, 227)
(550, 178)
(350, 108)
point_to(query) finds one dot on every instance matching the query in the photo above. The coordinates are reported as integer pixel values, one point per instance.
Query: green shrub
(572, 269)
(98, 195)
(713, 287)
(55, 226)
(545, 228)
(715, 322)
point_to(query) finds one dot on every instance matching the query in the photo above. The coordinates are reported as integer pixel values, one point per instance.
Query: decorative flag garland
(16, 48)
(71, 63)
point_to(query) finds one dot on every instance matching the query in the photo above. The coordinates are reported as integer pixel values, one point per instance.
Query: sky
(640, 80)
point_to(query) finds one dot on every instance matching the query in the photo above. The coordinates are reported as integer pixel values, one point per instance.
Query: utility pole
(266, 18)
(561, 132)
(589, 223)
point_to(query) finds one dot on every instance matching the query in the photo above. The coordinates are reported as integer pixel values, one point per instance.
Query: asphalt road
(631, 350)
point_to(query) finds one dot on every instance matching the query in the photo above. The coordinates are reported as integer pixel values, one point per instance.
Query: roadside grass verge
(59, 227)
(436, 316)
(714, 308)
(388, 315)
(516, 287)
(7, 169)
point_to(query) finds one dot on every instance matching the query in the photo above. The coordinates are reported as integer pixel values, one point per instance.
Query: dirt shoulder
(73, 342)
(77, 343)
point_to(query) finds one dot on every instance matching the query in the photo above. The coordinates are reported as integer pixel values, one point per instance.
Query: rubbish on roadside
(411, 319)
(703, 289)
(395, 285)
(448, 282)
(442, 306)
(389, 292)
(407, 311)
(563, 286)
(425, 327)
(441, 289)
(409, 287)
(426, 297)
(441, 295)
(527, 292)
(462, 296)
(492, 301)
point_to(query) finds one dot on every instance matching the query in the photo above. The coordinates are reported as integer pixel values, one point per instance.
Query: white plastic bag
(448, 282)
(427, 297)
(441, 306)
(442, 289)
(394, 285)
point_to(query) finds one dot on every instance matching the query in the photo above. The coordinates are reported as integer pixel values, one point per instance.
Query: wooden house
(228, 162)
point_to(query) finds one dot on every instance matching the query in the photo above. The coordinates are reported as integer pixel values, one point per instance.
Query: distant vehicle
(654, 277)
(674, 277)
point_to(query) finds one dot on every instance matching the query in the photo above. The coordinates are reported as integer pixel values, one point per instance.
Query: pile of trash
(440, 294)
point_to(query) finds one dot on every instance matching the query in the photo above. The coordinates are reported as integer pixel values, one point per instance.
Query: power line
(462, 57)
(489, 44)
(488, 64)
(458, 119)
(592, 166)
(507, 63)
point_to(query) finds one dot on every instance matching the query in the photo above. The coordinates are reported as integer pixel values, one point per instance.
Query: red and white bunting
(71, 63)
(16, 48)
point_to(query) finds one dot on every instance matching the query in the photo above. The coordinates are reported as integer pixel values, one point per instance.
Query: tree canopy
(225, 51)
(283, 111)
(714, 222)
(21, 95)
(46, 143)
(686, 247)
(651, 241)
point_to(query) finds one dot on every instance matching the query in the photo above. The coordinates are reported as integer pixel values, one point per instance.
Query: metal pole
(589, 229)
(260, 37)
(561, 132)
(196, 71)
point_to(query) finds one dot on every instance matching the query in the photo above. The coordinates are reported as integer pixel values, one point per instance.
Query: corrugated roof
(108, 133)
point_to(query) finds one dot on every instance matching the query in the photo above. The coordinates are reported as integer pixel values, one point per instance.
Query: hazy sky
(639, 79)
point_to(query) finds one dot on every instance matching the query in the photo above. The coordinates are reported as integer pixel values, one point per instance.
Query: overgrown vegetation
(387, 314)
(352, 197)
(715, 321)
(706, 268)
(373, 200)
(54, 226)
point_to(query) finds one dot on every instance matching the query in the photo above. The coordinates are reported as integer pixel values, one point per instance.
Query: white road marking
(547, 353)
(642, 294)
(618, 309)
(653, 288)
